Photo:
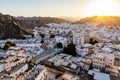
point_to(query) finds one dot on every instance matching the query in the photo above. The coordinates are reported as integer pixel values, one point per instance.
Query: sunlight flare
(103, 8)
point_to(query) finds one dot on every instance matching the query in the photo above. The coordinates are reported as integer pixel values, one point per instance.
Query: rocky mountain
(101, 20)
(11, 28)
(16, 27)
(31, 22)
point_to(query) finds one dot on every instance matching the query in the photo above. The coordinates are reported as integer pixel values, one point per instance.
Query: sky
(59, 8)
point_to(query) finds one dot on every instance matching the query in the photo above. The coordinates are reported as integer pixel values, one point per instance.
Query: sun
(103, 8)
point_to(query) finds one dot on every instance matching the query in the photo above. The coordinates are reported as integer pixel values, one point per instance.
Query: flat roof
(28, 45)
(15, 48)
(70, 76)
(99, 75)
(48, 52)
(16, 68)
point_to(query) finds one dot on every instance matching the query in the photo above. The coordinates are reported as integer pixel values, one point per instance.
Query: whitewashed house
(18, 70)
(101, 60)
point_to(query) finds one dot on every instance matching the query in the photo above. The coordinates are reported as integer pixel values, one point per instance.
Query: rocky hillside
(10, 28)
(102, 20)
(31, 22)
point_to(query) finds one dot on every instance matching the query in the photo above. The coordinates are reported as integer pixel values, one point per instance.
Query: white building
(8, 65)
(69, 76)
(35, 32)
(101, 60)
(11, 58)
(63, 40)
(98, 75)
(82, 52)
(2, 67)
(19, 69)
(78, 38)
(50, 74)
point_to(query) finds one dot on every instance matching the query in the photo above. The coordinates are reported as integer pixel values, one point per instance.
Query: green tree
(93, 41)
(65, 50)
(8, 44)
(59, 45)
(42, 41)
(52, 36)
(70, 49)
(42, 35)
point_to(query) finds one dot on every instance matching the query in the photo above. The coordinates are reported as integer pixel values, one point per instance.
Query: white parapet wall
(22, 68)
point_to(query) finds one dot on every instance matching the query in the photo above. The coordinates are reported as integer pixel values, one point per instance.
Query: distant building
(69, 76)
(101, 60)
(43, 56)
(18, 69)
(2, 67)
(52, 74)
(78, 38)
(98, 75)
(63, 40)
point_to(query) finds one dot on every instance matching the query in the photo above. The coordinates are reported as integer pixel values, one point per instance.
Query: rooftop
(48, 52)
(16, 68)
(70, 76)
(99, 75)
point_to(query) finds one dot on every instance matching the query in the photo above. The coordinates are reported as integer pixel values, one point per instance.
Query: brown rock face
(10, 28)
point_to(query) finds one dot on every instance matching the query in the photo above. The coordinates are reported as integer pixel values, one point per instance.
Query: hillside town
(63, 51)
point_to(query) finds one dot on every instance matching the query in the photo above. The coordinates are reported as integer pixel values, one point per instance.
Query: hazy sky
(69, 8)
